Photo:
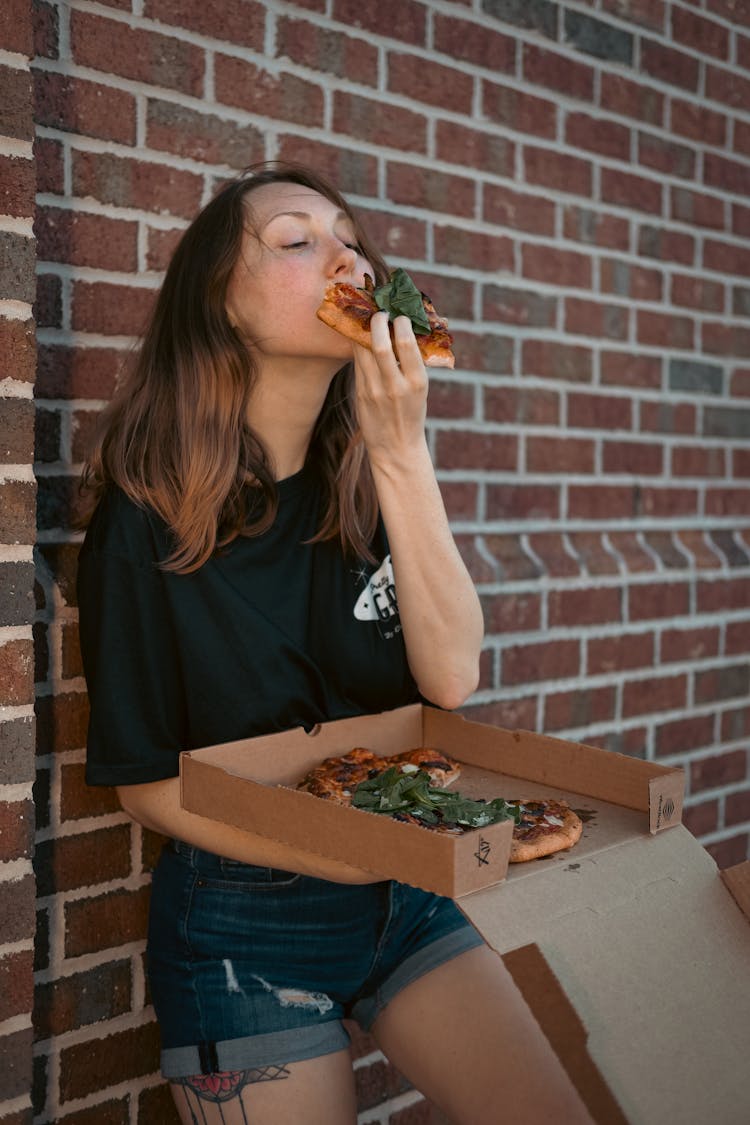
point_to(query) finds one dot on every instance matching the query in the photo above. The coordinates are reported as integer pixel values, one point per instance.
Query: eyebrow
(303, 215)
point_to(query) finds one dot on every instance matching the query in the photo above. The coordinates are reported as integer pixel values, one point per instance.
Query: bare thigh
(313, 1092)
(465, 1037)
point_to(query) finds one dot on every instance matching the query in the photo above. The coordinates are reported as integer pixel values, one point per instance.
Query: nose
(343, 259)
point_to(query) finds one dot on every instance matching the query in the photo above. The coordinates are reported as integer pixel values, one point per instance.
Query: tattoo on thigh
(223, 1086)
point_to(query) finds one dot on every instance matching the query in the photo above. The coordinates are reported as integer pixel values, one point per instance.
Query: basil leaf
(412, 792)
(400, 297)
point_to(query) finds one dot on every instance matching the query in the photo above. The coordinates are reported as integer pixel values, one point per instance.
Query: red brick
(16, 832)
(518, 306)
(557, 170)
(426, 81)
(96, 1064)
(390, 126)
(17, 282)
(581, 707)
(658, 599)
(519, 211)
(449, 399)
(48, 159)
(682, 735)
(17, 432)
(737, 640)
(74, 1001)
(515, 109)
(106, 921)
(319, 48)
(727, 175)
(454, 296)
(673, 67)
(700, 34)
(592, 318)
(77, 105)
(727, 853)
(144, 56)
(717, 770)
(189, 134)
(585, 607)
(601, 502)
(735, 723)
(473, 250)
(512, 613)
(466, 449)
(396, 234)
(16, 984)
(667, 417)
(79, 800)
(630, 370)
(689, 644)
(17, 186)
(524, 405)
(74, 373)
(16, 28)
(666, 156)
(722, 683)
(548, 660)
(742, 137)
(599, 412)
(737, 808)
(403, 19)
(644, 697)
(17, 898)
(377, 1082)
(632, 99)
(112, 310)
(550, 359)
(727, 502)
(697, 293)
(17, 1067)
(729, 340)
(16, 673)
(557, 72)
(483, 351)
(471, 148)
(728, 87)
(287, 97)
(461, 499)
(596, 228)
(648, 13)
(557, 560)
(696, 461)
(17, 350)
(17, 500)
(71, 862)
(437, 191)
(480, 569)
(620, 653)
(474, 43)
(62, 722)
(142, 184)
(698, 122)
(82, 239)
(598, 134)
(16, 105)
(551, 454)
(556, 267)
(511, 714)
(669, 245)
(632, 457)
(523, 501)
(46, 30)
(240, 22)
(665, 330)
(160, 246)
(628, 190)
(702, 818)
(668, 503)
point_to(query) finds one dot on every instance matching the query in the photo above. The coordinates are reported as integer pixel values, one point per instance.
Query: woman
(253, 472)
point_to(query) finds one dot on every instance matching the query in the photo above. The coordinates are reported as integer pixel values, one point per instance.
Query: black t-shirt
(271, 633)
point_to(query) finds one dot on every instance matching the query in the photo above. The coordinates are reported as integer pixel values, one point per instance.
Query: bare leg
(464, 1035)
(313, 1092)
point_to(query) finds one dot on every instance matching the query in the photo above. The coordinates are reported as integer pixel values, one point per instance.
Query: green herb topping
(410, 791)
(400, 297)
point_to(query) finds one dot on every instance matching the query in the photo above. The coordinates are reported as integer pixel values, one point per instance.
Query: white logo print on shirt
(377, 602)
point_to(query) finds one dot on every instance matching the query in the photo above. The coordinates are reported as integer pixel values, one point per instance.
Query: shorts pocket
(234, 875)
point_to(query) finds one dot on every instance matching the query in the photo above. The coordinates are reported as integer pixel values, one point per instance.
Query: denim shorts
(253, 966)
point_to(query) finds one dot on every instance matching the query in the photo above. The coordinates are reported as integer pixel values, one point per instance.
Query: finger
(382, 345)
(407, 349)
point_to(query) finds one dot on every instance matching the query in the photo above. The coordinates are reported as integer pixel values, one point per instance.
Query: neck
(284, 407)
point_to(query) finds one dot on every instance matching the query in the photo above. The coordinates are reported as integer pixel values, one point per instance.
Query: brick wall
(569, 182)
(17, 535)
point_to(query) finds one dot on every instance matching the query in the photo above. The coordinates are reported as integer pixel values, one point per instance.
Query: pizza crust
(545, 842)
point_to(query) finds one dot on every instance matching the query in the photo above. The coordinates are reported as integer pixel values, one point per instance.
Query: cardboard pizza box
(251, 784)
(636, 965)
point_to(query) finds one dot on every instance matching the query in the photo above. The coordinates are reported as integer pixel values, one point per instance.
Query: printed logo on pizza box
(482, 854)
(665, 811)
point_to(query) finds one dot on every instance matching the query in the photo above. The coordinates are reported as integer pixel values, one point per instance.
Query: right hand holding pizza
(391, 388)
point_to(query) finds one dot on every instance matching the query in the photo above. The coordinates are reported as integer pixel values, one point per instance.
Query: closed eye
(294, 245)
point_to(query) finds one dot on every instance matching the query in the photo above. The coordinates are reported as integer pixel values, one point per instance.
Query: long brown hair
(175, 436)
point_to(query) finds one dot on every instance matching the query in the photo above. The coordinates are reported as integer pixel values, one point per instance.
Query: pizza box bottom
(636, 964)
(251, 784)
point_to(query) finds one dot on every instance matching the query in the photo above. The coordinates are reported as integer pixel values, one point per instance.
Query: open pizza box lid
(251, 784)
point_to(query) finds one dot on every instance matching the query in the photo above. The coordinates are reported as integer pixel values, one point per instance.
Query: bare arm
(440, 611)
(156, 805)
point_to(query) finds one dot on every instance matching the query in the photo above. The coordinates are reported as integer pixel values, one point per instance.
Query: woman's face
(295, 242)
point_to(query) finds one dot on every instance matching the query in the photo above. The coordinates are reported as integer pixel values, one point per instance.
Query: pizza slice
(545, 826)
(442, 770)
(335, 779)
(349, 310)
